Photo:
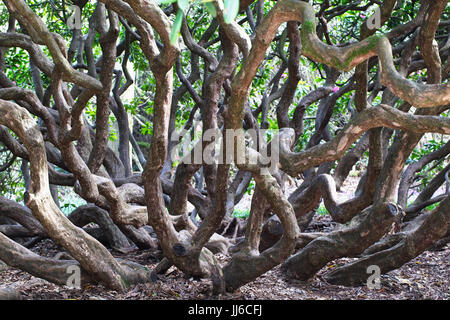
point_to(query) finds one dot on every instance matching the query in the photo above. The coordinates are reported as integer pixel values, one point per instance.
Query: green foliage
(241, 213)
(132, 106)
(210, 8)
(176, 27)
(12, 185)
(137, 58)
(18, 67)
(231, 10)
(432, 169)
(251, 187)
(429, 146)
(143, 144)
(431, 207)
(113, 135)
(67, 207)
(147, 128)
(69, 200)
(322, 211)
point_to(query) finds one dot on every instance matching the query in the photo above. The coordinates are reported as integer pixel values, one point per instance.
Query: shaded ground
(426, 277)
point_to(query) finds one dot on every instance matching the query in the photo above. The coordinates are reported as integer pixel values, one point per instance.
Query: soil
(425, 277)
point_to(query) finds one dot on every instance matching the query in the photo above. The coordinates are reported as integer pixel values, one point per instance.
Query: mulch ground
(425, 277)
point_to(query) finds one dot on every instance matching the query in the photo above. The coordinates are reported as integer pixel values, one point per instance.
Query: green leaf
(176, 27)
(231, 10)
(210, 8)
(241, 213)
(183, 4)
(165, 1)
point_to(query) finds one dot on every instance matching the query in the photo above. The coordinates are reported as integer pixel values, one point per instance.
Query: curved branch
(233, 30)
(53, 46)
(380, 116)
(411, 244)
(248, 265)
(93, 257)
(369, 226)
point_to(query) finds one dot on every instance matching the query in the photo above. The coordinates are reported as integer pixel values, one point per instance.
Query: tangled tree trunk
(9, 294)
(246, 75)
(93, 257)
